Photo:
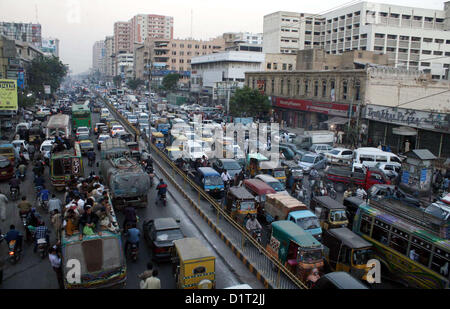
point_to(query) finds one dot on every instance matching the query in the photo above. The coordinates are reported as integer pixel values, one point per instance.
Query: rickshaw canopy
(259, 186)
(348, 238)
(241, 193)
(191, 249)
(289, 231)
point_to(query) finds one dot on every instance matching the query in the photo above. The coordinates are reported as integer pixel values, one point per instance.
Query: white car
(116, 129)
(101, 139)
(46, 147)
(391, 170)
(320, 148)
(83, 130)
(339, 156)
(45, 111)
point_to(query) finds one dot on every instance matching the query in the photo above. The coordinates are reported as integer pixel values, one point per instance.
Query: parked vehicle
(310, 138)
(391, 170)
(7, 150)
(370, 156)
(283, 207)
(310, 161)
(275, 170)
(253, 163)
(159, 234)
(296, 249)
(194, 265)
(230, 165)
(259, 189)
(331, 213)
(6, 168)
(340, 156)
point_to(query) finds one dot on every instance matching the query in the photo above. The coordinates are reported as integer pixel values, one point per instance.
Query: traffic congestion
(86, 169)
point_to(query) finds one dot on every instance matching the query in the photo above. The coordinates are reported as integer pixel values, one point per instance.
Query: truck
(309, 138)
(349, 176)
(279, 206)
(127, 181)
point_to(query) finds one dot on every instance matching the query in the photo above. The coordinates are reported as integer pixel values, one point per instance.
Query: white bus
(369, 157)
(58, 125)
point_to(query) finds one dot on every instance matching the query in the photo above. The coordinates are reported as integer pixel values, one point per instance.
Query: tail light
(11, 253)
(161, 250)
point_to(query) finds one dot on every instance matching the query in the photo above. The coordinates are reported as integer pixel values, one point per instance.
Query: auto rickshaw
(173, 152)
(193, 264)
(331, 213)
(259, 189)
(273, 169)
(346, 251)
(64, 165)
(35, 131)
(158, 140)
(7, 150)
(296, 249)
(240, 204)
(252, 164)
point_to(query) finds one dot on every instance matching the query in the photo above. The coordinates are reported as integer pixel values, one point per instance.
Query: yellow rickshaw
(240, 204)
(273, 169)
(253, 163)
(193, 264)
(158, 139)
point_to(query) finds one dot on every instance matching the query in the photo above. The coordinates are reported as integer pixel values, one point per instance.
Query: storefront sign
(8, 94)
(328, 108)
(413, 118)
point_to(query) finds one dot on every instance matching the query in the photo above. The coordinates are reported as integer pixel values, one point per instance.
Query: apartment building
(413, 38)
(99, 57)
(122, 37)
(109, 51)
(143, 26)
(30, 33)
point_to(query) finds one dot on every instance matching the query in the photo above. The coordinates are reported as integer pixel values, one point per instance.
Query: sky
(79, 23)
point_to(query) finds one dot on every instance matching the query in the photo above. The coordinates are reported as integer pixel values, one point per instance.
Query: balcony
(403, 44)
(391, 43)
(348, 44)
(363, 42)
(341, 23)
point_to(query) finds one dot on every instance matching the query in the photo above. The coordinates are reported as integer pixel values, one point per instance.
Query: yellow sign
(8, 94)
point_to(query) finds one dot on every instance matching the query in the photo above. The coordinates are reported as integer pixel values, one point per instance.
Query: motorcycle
(42, 247)
(133, 252)
(162, 198)
(14, 193)
(13, 253)
(21, 176)
(91, 161)
(331, 191)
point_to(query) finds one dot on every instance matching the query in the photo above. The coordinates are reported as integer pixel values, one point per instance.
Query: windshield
(168, 235)
(297, 173)
(47, 147)
(279, 174)
(213, 181)
(174, 154)
(86, 144)
(4, 163)
(196, 149)
(308, 223)
(334, 152)
(310, 256)
(361, 256)
(247, 206)
(103, 138)
(231, 165)
(132, 117)
(338, 215)
(277, 186)
(307, 159)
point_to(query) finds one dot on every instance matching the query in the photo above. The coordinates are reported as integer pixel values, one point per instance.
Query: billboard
(47, 89)
(8, 94)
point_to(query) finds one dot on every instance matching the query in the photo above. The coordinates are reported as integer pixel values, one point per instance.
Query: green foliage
(170, 81)
(247, 102)
(133, 84)
(117, 81)
(45, 70)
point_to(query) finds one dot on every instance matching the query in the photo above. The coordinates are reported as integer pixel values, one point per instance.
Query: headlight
(207, 190)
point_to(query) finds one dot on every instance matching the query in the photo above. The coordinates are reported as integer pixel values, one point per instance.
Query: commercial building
(122, 37)
(125, 65)
(413, 38)
(143, 26)
(382, 100)
(24, 32)
(99, 57)
(243, 41)
(223, 72)
(50, 46)
(280, 62)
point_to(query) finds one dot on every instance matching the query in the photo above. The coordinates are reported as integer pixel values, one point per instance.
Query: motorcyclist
(22, 169)
(132, 235)
(41, 232)
(39, 181)
(162, 188)
(130, 217)
(14, 234)
(14, 183)
(253, 225)
(91, 156)
(44, 195)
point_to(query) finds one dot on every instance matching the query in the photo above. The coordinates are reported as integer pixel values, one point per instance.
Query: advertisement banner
(8, 94)
(328, 108)
(47, 89)
(20, 80)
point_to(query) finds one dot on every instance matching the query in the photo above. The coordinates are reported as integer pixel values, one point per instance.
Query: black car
(231, 165)
(159, 234)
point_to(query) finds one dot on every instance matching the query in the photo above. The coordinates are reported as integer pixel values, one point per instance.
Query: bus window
(58, 167)
(399, 244)
(380, 231)
(422, 250)
(381, 158)
(367, 158)
(365, 227)
(439, 263)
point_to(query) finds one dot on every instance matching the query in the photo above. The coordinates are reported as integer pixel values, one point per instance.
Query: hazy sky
(79, 23)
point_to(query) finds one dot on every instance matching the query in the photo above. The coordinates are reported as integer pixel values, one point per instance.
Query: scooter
(42, 247)
(162, 198)
(134, 250)
(14, 193)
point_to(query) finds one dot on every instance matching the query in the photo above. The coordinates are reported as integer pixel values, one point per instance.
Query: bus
(81, 116)
(58, 125)
(405, 250)
(64, 165)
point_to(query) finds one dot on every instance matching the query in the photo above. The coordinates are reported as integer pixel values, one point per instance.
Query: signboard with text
(47, 89)
(8, 94)
(328, 108)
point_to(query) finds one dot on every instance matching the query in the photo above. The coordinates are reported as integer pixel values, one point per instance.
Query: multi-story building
(243, 41)
(122, 37)
(172, 56)
(145, 26)
(98, 57)
(30, 33)
(413, 38)
(50, 46)
(223, 72)
(280, 62)
(109, 52)
(125, 65)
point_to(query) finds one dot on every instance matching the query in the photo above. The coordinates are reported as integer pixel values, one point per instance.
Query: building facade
(413, 38)
(381, 100)
(280, 62)
(99, 57)
(145, 26)
(122, 37)
(125, 65)
(50, 46)
(109, 52)
(30, 33)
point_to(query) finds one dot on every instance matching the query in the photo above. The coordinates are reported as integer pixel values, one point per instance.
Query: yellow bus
(408, 252)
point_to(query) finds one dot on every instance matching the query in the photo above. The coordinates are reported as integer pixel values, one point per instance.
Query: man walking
(152, 282)
(55, 261)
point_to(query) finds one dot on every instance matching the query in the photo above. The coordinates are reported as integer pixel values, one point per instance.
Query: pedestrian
(146, 274)
(152, 282)
(54, 203)
(3, 201)
(407, 146)
(361, 193)
(56, 222)
(55, 261)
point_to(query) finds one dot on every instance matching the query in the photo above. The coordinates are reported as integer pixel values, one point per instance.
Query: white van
(369, 157)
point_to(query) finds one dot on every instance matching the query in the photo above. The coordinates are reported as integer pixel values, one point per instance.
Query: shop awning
(336, 120)
(405, 131)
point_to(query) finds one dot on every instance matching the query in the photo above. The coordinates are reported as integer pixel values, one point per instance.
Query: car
(273, 182)
(231, 165)
(296, 149)
(133, 119)
(312, 160)
(116, 129)
(82, 137)
(46, 146)
(287, 152)
(45, 111)
(159, 234)
(389, 169)
(83, 130)
(86, 145)
(101, 139)
(339, 156)
(97, 127)
(380, 191)
(320, 148)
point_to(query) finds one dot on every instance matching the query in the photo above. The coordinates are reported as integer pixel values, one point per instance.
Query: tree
(117, 81)
(45, 70)
(133, 84)
(170, 81)
(247, 102)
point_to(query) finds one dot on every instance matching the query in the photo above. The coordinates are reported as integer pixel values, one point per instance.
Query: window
(366, 223)
(272, 85)
(420, 251)
(306, 87)
(447, 53)
(189, 45)
(275, 66)
(398, 243)
(344, 89)
(298, 87)
(282, 86)
(425, 64)
(426, 52)
(181, 45)
(439, 41)
(428, 40)
(269, 66)
(284, 66)
(288, 86)
(438, 53)
(440, 262)
(357, 90)
(290, 67)
(380, 231)
(324, 88)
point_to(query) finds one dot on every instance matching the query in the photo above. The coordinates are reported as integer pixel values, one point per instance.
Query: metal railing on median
(276, 274)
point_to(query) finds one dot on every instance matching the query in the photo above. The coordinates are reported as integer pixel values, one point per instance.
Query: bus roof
(80, 108)
(58, 121)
